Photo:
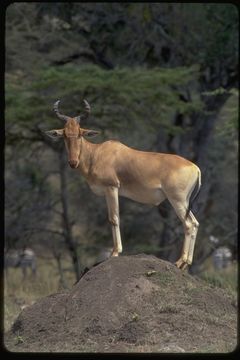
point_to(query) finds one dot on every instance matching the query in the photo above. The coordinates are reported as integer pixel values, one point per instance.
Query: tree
(161, 86)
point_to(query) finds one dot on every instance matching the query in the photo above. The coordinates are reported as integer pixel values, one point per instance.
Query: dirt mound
(131, 303)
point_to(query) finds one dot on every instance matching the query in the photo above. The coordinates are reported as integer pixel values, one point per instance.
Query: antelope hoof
(114, 253)
(181, 264)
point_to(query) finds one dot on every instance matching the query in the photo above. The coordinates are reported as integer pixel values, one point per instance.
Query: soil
(135, 303)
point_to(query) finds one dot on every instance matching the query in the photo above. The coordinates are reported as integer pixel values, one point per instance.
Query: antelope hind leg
(113, 215)
(191, 228)
(180, 209)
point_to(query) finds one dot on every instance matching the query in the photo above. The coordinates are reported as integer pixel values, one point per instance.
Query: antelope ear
(89, 133)
(55, 134)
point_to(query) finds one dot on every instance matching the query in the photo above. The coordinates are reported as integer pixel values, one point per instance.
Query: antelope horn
(55, 109)
(86, 112)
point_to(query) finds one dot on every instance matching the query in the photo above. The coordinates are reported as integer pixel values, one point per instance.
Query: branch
(57, 212)
(45, 230)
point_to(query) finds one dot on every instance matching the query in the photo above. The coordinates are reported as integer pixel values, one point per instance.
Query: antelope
(23, 259)
(112, 169)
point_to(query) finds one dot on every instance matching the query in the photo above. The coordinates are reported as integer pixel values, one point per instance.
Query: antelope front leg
(113, 215)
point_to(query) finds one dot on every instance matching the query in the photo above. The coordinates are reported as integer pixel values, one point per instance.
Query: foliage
(151, 34)
(158, 76)
(121, 98)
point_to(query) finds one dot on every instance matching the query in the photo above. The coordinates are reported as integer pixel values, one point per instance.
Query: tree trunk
(192, 144)
(71, 244)
(169, 247)
(62, 282)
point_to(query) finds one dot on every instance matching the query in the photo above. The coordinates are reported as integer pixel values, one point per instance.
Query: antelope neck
(86, 155)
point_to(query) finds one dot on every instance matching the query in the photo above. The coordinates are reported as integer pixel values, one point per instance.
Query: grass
(169, 308)
(19, 294)
(225, 278)
(165, 278)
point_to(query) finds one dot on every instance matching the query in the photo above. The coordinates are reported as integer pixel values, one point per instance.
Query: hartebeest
(112, 169)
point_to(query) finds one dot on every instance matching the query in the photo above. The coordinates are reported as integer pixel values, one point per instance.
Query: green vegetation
(120, 93)
(224, 278)
(135, 317)
(159, 77)
(166, 278)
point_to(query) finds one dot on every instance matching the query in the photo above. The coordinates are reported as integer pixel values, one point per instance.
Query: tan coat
(112, 169)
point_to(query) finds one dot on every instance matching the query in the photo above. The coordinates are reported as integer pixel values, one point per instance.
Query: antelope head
(72, 133)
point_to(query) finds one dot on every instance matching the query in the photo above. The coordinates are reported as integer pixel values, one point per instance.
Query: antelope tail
(194, 193)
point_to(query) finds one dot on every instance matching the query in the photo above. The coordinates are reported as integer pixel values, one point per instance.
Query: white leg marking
(180, 209)
(113, 214)
(193, 237)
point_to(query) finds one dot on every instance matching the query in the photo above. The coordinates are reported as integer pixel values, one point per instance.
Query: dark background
(159, 77)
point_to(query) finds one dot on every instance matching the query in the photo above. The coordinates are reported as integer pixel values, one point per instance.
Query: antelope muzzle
(73, 163)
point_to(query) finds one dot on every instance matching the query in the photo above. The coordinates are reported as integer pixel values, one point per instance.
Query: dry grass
(224, 278)
(19, 294)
